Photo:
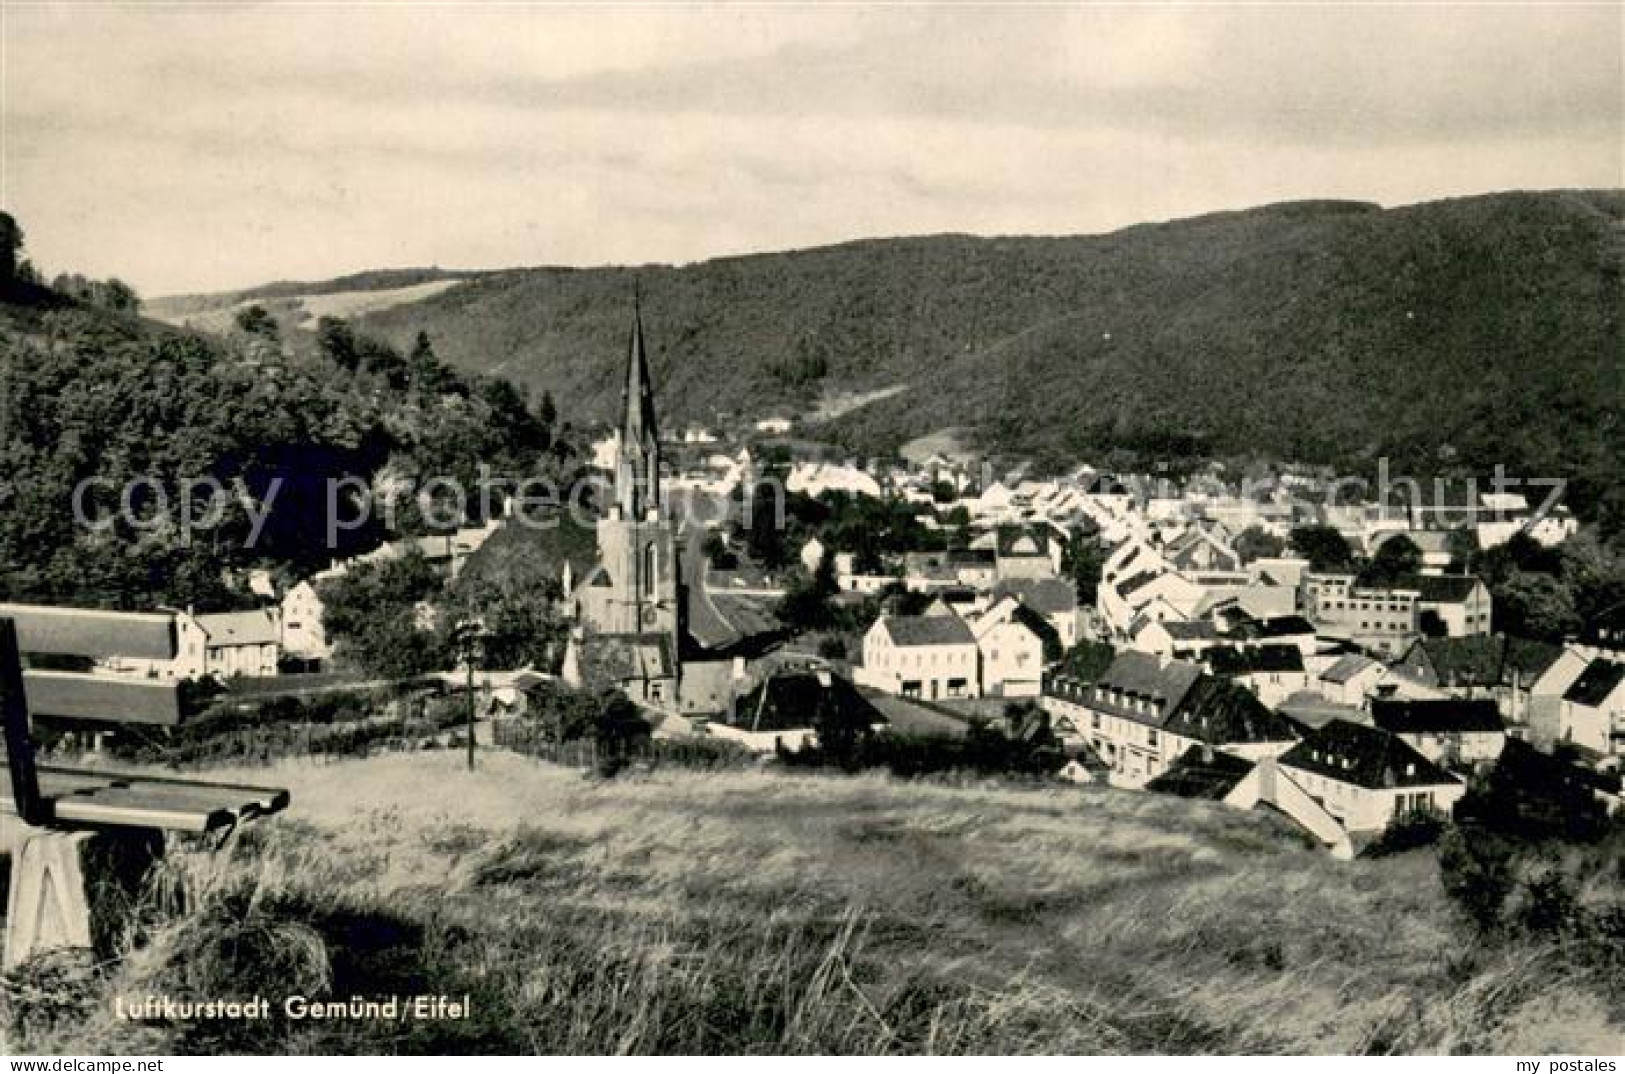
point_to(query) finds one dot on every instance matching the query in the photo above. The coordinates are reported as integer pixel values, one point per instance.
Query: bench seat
(120, 799)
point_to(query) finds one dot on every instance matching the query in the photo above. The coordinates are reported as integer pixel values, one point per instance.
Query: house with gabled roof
(1350, 679)
(1461, 602)
(1482, 665)
(1273, 672)
(1449, 731)
(786, 708)
(1581, 702)
(927, 656)
(1177, 639)
(1010, 643)
(1197, 549)
(1026, 552)
(221, 645)
(1056, 599)
(1143, 712)
(1367, 777)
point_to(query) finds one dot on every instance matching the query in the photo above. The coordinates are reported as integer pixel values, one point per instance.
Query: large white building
(1367, 778)
(926, 656)
(1143, 713)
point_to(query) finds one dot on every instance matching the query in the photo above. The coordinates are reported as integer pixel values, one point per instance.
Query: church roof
(637, 396)
(608, 659)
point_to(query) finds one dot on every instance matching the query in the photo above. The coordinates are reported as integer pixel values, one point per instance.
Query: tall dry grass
(759, 913)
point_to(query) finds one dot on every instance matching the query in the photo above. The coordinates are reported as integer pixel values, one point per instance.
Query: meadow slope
(766, 912)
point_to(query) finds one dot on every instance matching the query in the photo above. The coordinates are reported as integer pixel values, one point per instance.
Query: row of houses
(1162, 724)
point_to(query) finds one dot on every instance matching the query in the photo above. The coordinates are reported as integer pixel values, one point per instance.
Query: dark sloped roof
(1469, 661)
(1220, 713)
(1254, 659)
(1087, 661)
(1197, 630)
(1483, 659)
(1531, 659)
(1437, 716)
(1199, 773)
(1021, 541)
(793, 700)
(1308, 710)
(1364, 756)
(1347, 667)
(1142, 676)
(928, 630)
(1048, 596)
(1036, 623)
(1281, 626)
(1528, 769)
(1438, 588)
(1596, 682)
(1138, 581)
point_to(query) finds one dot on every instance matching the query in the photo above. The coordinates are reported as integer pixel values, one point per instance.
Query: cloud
(305, 141)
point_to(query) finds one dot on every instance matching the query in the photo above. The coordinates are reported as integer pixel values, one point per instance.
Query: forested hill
(1459, 333)
(128, 404)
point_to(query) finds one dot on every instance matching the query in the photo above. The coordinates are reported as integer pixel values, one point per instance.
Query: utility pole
(469, 633)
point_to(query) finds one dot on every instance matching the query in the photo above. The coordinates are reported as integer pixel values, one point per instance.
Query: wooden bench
(81, 839)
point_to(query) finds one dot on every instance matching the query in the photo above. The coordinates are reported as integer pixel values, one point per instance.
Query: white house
(302, 632)
(1461, 602)
(1011, 651)
(929, 656)
(1272, 672)
(1056, 599)
(1367, 777)
(1580, 701)
(221, 644)
(241, 643)
(1350, 679)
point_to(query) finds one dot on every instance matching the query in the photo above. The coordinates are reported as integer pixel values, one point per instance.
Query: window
(651, 564)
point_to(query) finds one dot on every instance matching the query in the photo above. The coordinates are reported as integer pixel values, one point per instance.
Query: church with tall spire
(629, 628)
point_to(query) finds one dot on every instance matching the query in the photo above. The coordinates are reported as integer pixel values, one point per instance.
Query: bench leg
(73, 888)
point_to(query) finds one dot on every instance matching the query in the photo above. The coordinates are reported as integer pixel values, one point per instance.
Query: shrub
(1411, 831)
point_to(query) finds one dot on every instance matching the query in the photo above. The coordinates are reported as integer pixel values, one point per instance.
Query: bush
(1476, 868)
(347, 723)
(1409, 832)
(983, 751)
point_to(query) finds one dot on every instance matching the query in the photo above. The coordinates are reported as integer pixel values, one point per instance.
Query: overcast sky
(206, 148)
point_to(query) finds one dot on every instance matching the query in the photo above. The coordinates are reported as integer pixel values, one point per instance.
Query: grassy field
(770, 912)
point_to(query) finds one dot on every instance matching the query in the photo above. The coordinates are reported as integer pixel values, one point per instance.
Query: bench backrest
(76, 632)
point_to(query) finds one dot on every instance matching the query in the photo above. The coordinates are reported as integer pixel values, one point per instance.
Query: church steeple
(637, 472)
